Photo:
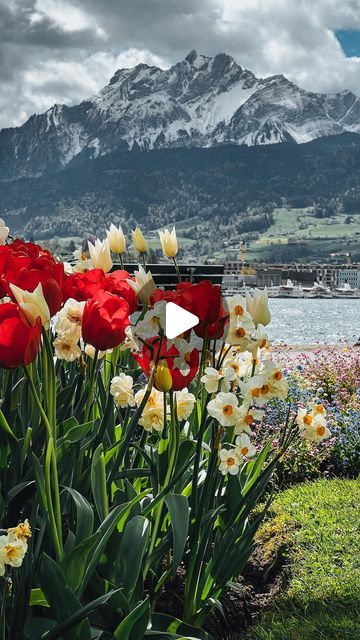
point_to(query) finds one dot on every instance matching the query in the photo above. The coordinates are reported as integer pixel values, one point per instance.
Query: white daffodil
(153, 322)
(130, 341)
(185, 350)
(273, 375)
(236, 306)
(70, 314)
(304, 418)
(66, 344)
(12, 552)
(317, 408)
(239, 332)
(224, 408)
(259, 339)
(244, 448)
(33, 304)
(143, 285)
(140, 243)
(214, 379)
(317, 430)
(83, 262)
(258, 307)
(4, 232)
(255, 391)
(185, 402)
(169, 243)
(229, 462)
(155, 400)
(116, 239)
(152, 419)
(240, 361)
(22, 531)
(100, 255)
(246, 417)
(122, 389)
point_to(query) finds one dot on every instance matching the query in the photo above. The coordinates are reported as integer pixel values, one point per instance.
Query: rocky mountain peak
(200, 101)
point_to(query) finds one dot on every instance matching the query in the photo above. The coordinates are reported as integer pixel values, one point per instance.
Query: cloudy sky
(65, 50)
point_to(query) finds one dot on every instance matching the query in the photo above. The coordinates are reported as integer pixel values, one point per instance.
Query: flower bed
(332, 377)
(126, 457)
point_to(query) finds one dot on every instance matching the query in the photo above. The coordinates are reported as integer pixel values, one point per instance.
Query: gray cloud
(65, 50)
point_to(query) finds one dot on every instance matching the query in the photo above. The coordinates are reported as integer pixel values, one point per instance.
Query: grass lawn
(321, 601)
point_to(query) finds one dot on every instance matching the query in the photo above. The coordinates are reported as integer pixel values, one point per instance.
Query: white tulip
(143, 286)
(116, 239)
(169, 243)
(258, 307)
(32, 304)
(100, 255)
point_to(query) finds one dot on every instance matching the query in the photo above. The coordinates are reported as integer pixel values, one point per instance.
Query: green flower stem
(52, 384)
(3, 610)
(38, 402)
(4, 426)
(89, 405)
(121, 260)
(143, 259)
(177, 269)
(50, 469)
(131, 428)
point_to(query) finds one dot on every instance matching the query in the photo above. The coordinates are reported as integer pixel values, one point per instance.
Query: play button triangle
(178, 320)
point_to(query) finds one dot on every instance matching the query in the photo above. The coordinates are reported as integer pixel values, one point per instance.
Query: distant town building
(351, 277)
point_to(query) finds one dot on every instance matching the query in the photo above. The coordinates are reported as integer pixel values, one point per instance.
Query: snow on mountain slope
(200, 101)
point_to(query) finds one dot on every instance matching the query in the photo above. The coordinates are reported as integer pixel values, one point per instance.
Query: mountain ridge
(200, 101)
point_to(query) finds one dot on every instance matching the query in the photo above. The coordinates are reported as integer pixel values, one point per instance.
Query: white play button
(178, 320)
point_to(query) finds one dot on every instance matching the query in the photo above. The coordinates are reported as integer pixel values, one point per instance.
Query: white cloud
(65, 16)
(62, 51)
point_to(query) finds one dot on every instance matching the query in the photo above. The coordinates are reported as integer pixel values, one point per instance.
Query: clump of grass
(320, 523)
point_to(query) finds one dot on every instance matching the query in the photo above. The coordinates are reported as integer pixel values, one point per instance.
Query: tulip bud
(143, 286)
(163, 379)
(258, 307)
(169, 243)
(100, 255)
(116, 239)
(32, 304)
(139, 241)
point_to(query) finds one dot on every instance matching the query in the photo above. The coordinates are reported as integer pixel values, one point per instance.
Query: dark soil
(242, 604)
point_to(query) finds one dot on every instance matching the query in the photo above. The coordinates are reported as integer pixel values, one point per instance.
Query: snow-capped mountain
(200, 101)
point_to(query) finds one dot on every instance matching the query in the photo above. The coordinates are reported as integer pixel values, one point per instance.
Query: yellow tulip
(139, 241)
(163, 379)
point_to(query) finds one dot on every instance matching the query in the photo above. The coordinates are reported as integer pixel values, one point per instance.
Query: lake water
(306, 321)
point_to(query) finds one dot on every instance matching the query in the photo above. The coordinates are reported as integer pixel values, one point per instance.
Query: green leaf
(62, 600)
(163, 622)
(75, 618)
(98, 483)
(134, 626)
(84, 516)
(132, 549)
(178, 507)
(37, 598)
(75, 563)
(117, 517)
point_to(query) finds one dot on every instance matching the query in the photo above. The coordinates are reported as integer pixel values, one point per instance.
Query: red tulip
(26, 265)
(82, 286)
(104, 321)
(202, 299)
(156, 351)
(19, 342)
(115, 283)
